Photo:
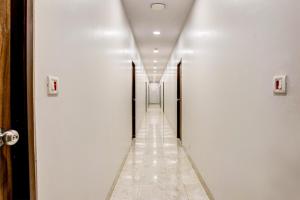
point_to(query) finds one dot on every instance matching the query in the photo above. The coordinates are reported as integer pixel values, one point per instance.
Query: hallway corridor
(157, 168)
(94, 95)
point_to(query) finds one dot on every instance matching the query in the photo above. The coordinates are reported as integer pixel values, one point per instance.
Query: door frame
(160, 93)
(179, 100)
(163, 96)
(133, 100)
(146, 96)
(30, 99)
(26, 38)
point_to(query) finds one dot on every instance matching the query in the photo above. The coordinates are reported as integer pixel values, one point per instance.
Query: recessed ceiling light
(155, 50)
(155, 61)
(158, 6)
(154, 67)
(156, 33)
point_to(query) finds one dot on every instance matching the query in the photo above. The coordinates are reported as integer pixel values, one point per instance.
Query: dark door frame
(179, 101)
(22, 109)
(148, 93)
(30, 100)
(133, 100)
(160, 93)
(163, 96)
(146, 96)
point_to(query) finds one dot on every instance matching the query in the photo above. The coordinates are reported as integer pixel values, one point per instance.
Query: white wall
(141, 101)
(154, 93)
(242, 138)
(84, 133)
(170, 97)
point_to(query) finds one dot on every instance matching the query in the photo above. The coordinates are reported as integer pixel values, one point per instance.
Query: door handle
(10, 137)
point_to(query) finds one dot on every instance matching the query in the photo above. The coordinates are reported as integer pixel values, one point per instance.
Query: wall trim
(200, 177)
(169, 121)
(113, 186)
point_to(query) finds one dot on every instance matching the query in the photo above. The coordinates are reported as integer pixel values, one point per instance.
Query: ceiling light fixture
(155, 61)
(155, 50)
(158, 6)
(156, 33)
(154, 67)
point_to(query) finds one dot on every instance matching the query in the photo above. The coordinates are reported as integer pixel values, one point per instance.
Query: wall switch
(53, 85)
(279, 84)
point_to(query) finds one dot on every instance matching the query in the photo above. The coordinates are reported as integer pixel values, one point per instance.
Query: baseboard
(168, 121)
(112, 188)
(200, 177)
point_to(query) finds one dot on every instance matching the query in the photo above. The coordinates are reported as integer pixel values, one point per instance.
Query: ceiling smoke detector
(158, 6)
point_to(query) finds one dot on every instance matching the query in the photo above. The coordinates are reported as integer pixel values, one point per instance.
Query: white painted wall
(141, 79)
(242, 138)
(84, 133)
(170, 80)
(154, 93)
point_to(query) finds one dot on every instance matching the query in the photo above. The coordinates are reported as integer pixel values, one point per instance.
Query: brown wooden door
(5, 158)
(179, 101)
(14, 101)
(160, 97)
(163, 96)
(146, 96)
(133, 100)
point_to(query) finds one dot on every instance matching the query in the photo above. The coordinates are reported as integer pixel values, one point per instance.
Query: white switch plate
(280, 84)
(53, 85)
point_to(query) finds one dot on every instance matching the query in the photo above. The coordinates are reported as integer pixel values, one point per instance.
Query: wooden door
(14, 102)
(163, 96)
(5, 158)
(19, 101)
(146, 96)
(179, 101)
(160, 93)
(133, 100)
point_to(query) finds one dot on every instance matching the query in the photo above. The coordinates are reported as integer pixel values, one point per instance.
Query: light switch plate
(53, 85)
(280, 85)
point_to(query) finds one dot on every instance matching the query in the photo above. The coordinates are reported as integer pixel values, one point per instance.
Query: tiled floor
(157, 167)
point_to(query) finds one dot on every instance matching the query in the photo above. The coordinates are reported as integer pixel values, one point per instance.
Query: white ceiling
(169, 22)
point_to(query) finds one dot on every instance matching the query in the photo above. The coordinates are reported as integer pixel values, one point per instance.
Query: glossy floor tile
(157, 167)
